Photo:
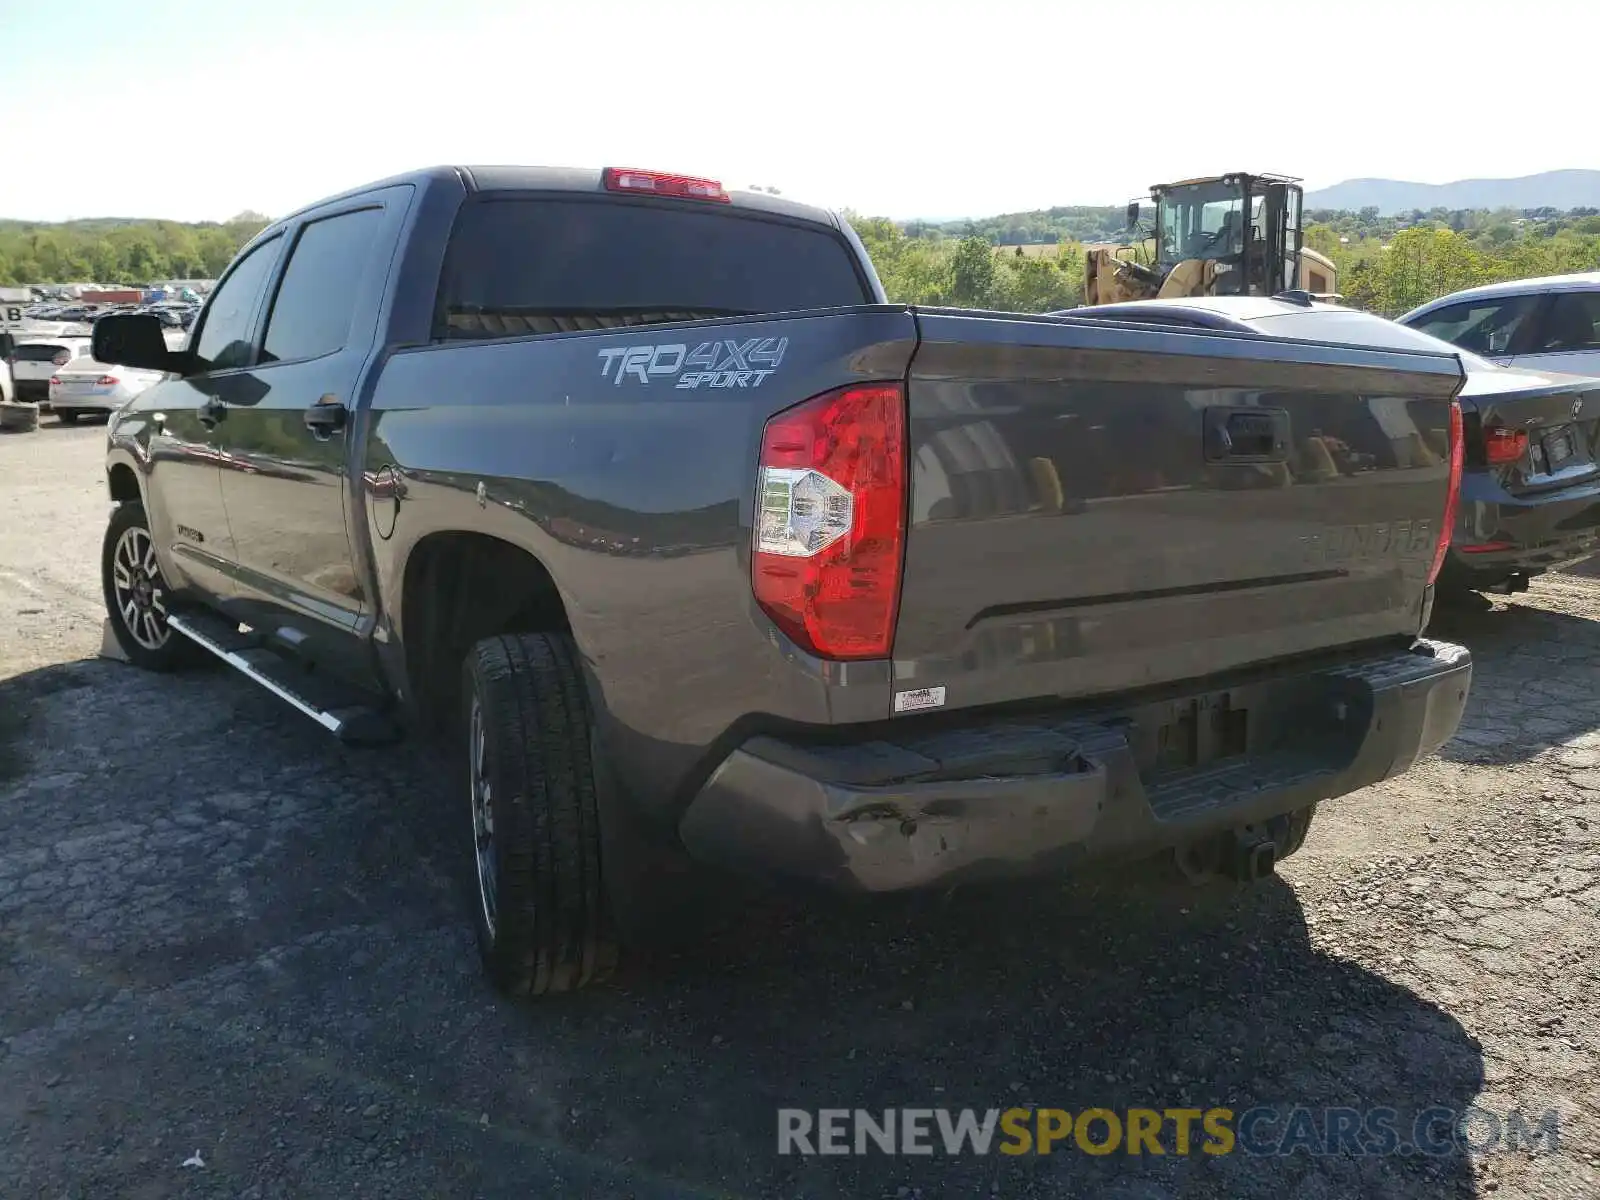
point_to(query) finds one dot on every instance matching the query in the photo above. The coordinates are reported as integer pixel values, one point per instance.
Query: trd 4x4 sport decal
(724, 364)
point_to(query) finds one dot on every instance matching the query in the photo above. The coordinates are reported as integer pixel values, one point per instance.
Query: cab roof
(558, 179)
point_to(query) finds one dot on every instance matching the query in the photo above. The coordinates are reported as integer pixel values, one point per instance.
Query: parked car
(1550, 324)
(87, 386)
(700, 551)
(1530, 488)
(34, 361)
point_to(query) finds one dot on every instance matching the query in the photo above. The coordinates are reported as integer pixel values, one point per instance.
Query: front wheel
(538, 904)
(137, 597)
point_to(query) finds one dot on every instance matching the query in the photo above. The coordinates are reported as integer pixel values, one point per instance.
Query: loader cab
(1249, 226)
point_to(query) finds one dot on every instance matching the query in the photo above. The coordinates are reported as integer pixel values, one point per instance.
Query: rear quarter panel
(637, 496)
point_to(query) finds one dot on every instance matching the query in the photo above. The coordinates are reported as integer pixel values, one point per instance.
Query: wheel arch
(457, 587)
(123, 479)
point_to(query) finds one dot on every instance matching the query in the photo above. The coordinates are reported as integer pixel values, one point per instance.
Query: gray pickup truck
(697, 550)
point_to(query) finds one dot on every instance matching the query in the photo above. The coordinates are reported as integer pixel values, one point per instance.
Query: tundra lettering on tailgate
(725, 364)
(1384, 539)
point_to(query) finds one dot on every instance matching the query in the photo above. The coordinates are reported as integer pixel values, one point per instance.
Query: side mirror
(1133, 214)
(132, 340)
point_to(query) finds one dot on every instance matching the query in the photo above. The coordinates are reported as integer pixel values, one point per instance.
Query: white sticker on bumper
(919, 698)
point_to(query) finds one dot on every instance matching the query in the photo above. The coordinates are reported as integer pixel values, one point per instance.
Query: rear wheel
(1292, 835)
(137, 597)
(538, 901)
(67, 418)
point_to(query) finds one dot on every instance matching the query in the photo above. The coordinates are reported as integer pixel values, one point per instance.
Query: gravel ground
(226, 939)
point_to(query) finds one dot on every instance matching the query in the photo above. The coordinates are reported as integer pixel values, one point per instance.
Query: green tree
(1322, 238)
(1042, 284)
(973, 273)
(108, 251)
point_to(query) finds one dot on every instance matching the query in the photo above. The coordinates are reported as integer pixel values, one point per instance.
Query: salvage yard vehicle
(640, 494)
(1530, 487)
(1237, 234)
(86, 387)
(34, 360)
(1549, 324)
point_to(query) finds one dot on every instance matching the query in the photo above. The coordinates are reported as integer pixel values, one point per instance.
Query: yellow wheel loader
(1228, 235)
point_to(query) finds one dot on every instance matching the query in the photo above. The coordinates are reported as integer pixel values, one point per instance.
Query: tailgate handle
(1247, 435)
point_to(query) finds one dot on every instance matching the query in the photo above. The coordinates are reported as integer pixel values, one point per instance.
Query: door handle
(326, 417)
(212, 411)
(1247, 434)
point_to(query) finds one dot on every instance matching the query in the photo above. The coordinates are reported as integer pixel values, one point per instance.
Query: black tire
(67, 418)
(151, 645)
(1291, 838)
(18, 418)
(537, 898)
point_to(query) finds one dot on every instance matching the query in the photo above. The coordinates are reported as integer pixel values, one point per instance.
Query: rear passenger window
(1572, 322)
(525, 265)
(317, 299)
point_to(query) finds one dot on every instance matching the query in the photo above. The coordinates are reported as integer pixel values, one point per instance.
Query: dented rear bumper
(1019, 795)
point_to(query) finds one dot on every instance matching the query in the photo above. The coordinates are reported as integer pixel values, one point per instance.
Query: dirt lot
(223, 936)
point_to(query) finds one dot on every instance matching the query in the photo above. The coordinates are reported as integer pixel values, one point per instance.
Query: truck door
(187, 519)
(286, 478)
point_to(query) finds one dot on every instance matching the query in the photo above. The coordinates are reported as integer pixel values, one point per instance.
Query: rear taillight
(1448, 523)
(831, 520)
(106, 381)
(1502, 446)
(55, 381)
(61, 358)
(659, 183)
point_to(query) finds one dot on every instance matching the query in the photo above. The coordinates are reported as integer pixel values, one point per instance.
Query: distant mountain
(1553, 189)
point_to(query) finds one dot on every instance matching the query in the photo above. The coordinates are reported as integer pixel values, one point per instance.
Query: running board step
(340, 711)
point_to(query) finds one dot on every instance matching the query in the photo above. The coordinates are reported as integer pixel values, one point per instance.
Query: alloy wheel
(482, 815)
(141, 594)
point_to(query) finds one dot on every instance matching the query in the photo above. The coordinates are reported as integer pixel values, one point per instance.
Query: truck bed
(1075, 527)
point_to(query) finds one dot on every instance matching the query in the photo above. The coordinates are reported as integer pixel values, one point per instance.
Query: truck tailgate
(1097, 507)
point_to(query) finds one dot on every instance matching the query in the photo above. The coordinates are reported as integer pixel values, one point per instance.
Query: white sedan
(91, 387)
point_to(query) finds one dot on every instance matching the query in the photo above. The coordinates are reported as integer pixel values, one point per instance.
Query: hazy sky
(199, 110)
